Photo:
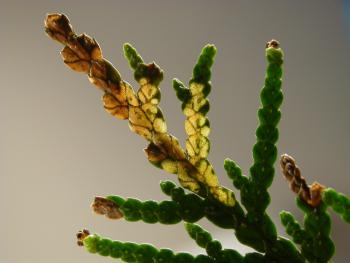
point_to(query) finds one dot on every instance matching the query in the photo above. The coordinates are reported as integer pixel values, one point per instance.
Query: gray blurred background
(59, 148)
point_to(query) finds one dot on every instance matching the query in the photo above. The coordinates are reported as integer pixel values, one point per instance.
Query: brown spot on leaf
(103, 206)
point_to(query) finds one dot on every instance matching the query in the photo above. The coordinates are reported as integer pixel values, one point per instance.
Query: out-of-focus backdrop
(59, 148)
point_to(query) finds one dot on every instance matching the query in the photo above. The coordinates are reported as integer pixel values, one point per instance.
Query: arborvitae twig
(132, 252)
(165, 212)
(195, 173)
(317, 246)
(146, 253)
(186, 207)
(83, 54)
(255, 197)
(293, 228)
(195, 106)
(315, 241)
(213, 247)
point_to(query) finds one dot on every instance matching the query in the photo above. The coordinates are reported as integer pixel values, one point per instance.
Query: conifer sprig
(207, 198)
(83, 54)
(264, 150)
(195, 106)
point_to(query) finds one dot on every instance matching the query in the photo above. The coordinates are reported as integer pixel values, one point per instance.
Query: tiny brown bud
(273, 43)
(81, 235)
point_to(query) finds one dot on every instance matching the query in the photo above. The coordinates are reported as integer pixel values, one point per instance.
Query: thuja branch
(314, 236)
(83, 54)
(132, 252)
(265, 151)
(206, 197)
(183, 206)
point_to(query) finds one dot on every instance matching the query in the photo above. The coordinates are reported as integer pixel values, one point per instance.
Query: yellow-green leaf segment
(195, 106)
(252, 226)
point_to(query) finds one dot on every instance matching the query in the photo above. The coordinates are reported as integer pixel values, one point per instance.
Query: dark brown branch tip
(273, 43)
(103, 206)
(59, 23)
(81, 235)
(309, 194)
(58, 27)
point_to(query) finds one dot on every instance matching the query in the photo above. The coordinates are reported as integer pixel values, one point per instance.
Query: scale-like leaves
(141, 108)
(195, 106)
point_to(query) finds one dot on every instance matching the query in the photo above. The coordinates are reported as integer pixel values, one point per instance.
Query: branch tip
(103, 206)
(311, 194)
(273, 43)
(81, 235)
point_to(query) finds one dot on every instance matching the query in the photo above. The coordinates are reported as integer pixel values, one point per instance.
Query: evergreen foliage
(200, 193)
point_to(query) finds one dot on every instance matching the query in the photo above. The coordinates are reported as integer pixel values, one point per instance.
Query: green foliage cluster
(200, 194)
(314, 240)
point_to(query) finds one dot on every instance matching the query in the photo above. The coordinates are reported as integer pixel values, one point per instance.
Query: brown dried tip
(310, 194)
(81, 235)
(79, 51)
(273, 43)
(58, 27)
(103, 206)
